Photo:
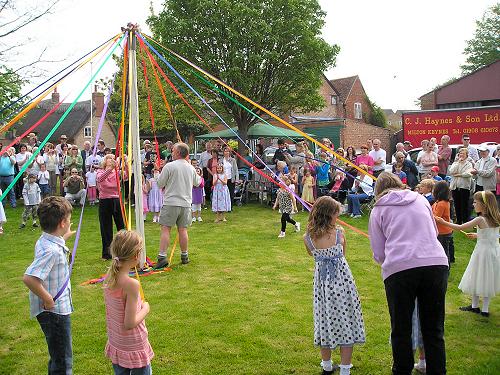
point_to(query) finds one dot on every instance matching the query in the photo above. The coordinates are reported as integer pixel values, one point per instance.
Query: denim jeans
(119, 370)
(4, 183)
(57, 330)
(428, 285)
(354, 202)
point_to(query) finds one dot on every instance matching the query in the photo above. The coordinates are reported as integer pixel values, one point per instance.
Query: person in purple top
(414, 266)
(198, 197)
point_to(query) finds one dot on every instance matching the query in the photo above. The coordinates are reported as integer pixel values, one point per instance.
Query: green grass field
(242, 306)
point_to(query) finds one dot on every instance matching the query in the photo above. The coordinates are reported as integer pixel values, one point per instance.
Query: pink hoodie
(403, 233)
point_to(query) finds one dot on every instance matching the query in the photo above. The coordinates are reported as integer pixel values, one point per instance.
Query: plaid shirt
(51, 267)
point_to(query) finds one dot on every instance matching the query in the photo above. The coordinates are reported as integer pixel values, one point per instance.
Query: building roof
(72, 124)
(344, 86)
(461, 78)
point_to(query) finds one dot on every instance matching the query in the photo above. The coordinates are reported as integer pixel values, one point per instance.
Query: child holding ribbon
(127, 347)
(338, 320)
(287, 205)
(482, 275)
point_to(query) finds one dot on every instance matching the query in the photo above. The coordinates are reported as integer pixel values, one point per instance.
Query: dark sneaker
(22, 226)
(35, 225)
(161, 262)
(184, 258)
(470, 308)
(485, 314)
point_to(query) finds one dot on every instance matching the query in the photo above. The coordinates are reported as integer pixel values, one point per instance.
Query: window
(333, 99)
(87, 132)
(358, 112)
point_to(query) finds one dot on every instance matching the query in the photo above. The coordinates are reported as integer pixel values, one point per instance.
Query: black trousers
(230, 186)
(461, 202)
(285, 218)
(109, 210)
(428, 286)
(444, 240)
(208, 183)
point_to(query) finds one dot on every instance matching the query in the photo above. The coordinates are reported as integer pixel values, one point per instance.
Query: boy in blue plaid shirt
(46, 276)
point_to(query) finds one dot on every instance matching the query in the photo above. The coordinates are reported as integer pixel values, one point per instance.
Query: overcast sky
(399, 49)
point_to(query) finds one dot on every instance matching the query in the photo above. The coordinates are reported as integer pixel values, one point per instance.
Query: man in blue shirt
(7, 162)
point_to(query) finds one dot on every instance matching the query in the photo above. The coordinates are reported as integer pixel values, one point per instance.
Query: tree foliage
(185, 120)
(10, 89)
(484, 48)
(271, 51)
(377, 115)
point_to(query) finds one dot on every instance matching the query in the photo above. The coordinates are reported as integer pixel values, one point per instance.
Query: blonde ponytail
(125, 246)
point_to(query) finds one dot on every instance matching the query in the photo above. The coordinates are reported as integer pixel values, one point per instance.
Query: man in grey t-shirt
(178, 179)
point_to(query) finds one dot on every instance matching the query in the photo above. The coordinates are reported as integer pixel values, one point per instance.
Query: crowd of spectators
(64, 169)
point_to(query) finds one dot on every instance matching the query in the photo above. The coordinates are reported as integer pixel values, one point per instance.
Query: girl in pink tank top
(128, 346)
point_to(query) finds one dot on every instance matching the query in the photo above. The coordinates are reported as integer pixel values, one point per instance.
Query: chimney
(98, 100)
(55, 96)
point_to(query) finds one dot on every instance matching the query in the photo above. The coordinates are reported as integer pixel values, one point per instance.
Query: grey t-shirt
(178, 178)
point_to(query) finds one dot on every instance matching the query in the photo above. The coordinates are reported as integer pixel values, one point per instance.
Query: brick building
(477, 89)
(344, 119)
(76, 126)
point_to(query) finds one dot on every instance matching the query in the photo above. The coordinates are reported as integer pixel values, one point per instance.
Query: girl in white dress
(338, 320)
(482, 275)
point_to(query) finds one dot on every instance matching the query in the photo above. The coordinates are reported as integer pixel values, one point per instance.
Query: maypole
(134, 139)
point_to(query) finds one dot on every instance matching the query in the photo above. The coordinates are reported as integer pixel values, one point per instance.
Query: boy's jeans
(132, 371)
(57, 330)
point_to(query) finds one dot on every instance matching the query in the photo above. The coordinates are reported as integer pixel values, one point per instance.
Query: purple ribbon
(79, 230)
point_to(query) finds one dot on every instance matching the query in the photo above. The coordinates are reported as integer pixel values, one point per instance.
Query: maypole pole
(134, 126)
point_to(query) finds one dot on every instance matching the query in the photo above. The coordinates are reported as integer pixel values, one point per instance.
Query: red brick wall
(357, 95)
(330, 110)
(428, 101)
(356, 133)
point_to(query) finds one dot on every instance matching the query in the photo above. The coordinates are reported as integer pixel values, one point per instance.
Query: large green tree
(484, 48)
(271, 51)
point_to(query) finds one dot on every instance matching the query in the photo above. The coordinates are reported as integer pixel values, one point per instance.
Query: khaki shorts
(174, 215)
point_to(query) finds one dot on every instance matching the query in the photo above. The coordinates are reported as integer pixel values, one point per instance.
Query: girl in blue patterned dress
(221, 200)
(338, 320)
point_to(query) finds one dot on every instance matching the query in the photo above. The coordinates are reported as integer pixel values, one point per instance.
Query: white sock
(475, 301)
(345, 369)
(421, 362)
(327, 365)
(486, 304)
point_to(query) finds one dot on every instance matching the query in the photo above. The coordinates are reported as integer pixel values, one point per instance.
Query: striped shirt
(51, 267)
(127, 348)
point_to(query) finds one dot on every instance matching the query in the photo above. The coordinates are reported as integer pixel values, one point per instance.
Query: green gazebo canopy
(259, 130)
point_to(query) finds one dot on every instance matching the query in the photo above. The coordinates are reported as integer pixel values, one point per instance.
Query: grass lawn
(242, 306)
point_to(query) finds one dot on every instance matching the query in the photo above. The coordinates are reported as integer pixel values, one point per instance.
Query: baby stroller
(240, 187)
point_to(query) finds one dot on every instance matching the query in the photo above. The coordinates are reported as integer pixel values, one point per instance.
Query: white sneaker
(281, 235)
(194, 219)
(297, 227)
(420, 368)
(351, 215)
(199, 218)
(356, 217)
